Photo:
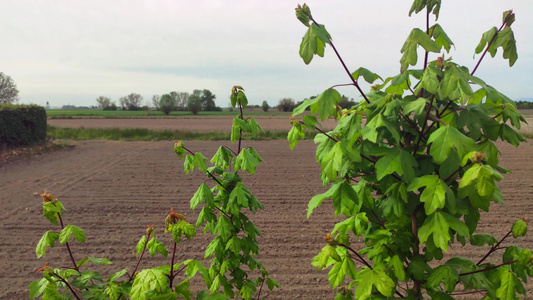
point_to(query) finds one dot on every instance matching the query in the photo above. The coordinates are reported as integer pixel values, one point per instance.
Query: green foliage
(166, 104)
(412, 178)
(22, 125)
(234, 249)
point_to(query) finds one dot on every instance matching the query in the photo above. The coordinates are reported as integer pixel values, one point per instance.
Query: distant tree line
(199, 100)
(524, 105)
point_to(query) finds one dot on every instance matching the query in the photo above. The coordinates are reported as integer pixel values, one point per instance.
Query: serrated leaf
(64, 236)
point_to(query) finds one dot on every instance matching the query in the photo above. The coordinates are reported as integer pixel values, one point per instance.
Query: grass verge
(141, 134)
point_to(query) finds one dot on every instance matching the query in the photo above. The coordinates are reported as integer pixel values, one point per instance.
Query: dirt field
(113, 190)
(198, 123)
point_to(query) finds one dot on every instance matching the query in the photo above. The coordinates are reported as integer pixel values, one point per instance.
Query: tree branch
(345, 67)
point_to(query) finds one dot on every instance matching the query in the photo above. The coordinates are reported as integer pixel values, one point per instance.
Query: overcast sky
(71, 52)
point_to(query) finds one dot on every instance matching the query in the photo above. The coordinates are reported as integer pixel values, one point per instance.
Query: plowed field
(113, 190)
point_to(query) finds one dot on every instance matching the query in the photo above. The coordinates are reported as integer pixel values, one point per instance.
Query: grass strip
(142, 134)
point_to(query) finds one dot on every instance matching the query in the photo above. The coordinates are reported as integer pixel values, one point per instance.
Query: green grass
(141, 134)
(74, 113)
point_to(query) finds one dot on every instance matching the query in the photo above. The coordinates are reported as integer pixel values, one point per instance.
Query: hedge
(22, 125)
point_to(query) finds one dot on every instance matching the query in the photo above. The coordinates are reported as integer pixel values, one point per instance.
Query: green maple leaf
(456, 84)
(64, 236)
(446, 138)
(222, 157)
(437, 225)
(313, 42)
(508, 285)
(332, 162)
(345, 199)
(224, 227)
(441, 38)
(430, 81)
(47, 240)
(445, 273)
(154, 246)
(149, 280)
(247, 160)
(295, 134)
(324, 104)
(369, 76)
(434, 194)
(178, 229)
(409, 49)
(368, 278)
(203, 192)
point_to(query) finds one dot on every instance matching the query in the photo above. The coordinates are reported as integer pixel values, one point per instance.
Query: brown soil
(219, 123)
(113, 190)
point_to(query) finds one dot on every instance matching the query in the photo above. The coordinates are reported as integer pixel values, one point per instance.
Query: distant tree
(286, 104)
(8, 89)
(194, 103)
(265, 106)
(155, 101)
(112, 106)
(346, 102)
(166, 104)
(524, 104)
(103, 102)
(208, 100)
(180, 100)
(131, 102)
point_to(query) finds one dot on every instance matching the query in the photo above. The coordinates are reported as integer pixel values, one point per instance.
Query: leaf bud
(293, 120)
(46, 267)
(375, 88)
(48, 197)
(150, 231)
(476, 158)
(303, 14)
(439, 62)
(508, 18)
(519, 228)
(329, 240)
(173, 218)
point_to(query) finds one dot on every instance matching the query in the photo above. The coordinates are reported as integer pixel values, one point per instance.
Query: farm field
(217, 122)
(113, 190)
